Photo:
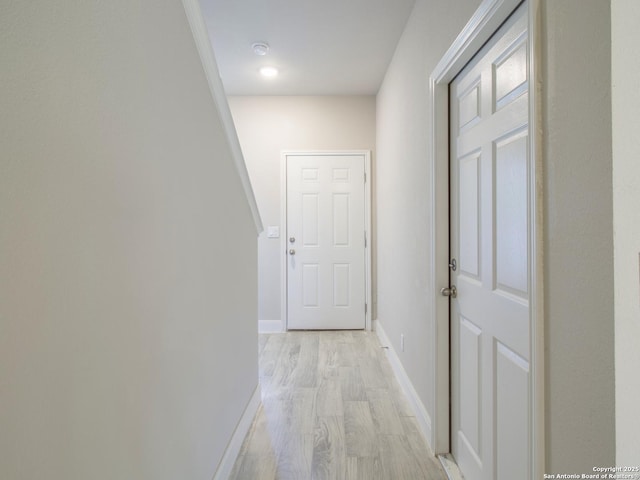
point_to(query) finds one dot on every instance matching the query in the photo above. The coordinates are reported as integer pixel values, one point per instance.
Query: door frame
(483, 24)
(283, 221)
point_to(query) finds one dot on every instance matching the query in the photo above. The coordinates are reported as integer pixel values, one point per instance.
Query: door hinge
(365, 239)
(365, 308)
(365, 177)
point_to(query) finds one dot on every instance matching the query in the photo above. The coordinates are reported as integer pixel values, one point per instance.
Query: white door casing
(326, 254)
(489, 239)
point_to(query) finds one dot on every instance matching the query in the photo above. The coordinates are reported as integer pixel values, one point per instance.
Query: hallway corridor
(332, 410)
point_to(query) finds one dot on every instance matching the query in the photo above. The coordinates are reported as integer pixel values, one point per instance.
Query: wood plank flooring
(332, 410)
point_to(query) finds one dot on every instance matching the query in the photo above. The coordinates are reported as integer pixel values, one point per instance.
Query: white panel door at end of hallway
(490, 215)
(325, 241)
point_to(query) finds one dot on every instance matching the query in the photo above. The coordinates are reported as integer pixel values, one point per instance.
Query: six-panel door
(490, 221)
(325, 241)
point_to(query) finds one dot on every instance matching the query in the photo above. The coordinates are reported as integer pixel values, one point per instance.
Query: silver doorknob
(292, 239)
(292, 252)
(449, 291)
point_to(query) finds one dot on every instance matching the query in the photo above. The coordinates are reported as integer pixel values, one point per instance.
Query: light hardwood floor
(332, 409)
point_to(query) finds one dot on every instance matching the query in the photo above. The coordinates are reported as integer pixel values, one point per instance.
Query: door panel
(310, 285)
(511, 214)
(470, 382)
(512, 403)
(490, 218)
(341, 219)
(469, 246)
(325, 241)
(310, 219)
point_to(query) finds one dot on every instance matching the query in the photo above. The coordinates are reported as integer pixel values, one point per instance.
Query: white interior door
(490, 222)
(325, 241)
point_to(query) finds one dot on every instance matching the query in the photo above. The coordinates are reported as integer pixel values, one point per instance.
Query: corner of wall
(578, 239)
(225, 467)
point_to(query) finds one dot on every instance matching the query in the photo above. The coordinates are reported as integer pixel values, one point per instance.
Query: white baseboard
(270, 326)
(450, 467)
(235, 444)
(422, 416)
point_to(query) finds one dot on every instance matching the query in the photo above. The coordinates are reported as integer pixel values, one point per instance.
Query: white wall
(403, 185)
(578, 243)
(268, 125)
(626, 200)
(128, 346)
(579, 404)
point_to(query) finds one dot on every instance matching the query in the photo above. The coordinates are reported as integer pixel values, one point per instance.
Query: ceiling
(322, 47)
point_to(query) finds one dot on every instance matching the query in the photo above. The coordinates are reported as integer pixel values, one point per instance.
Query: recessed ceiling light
(260, 48)
(269, 72)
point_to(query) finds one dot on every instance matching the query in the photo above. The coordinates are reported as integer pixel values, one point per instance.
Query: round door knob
(292, 252)
(292, 239)
(449, 291)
